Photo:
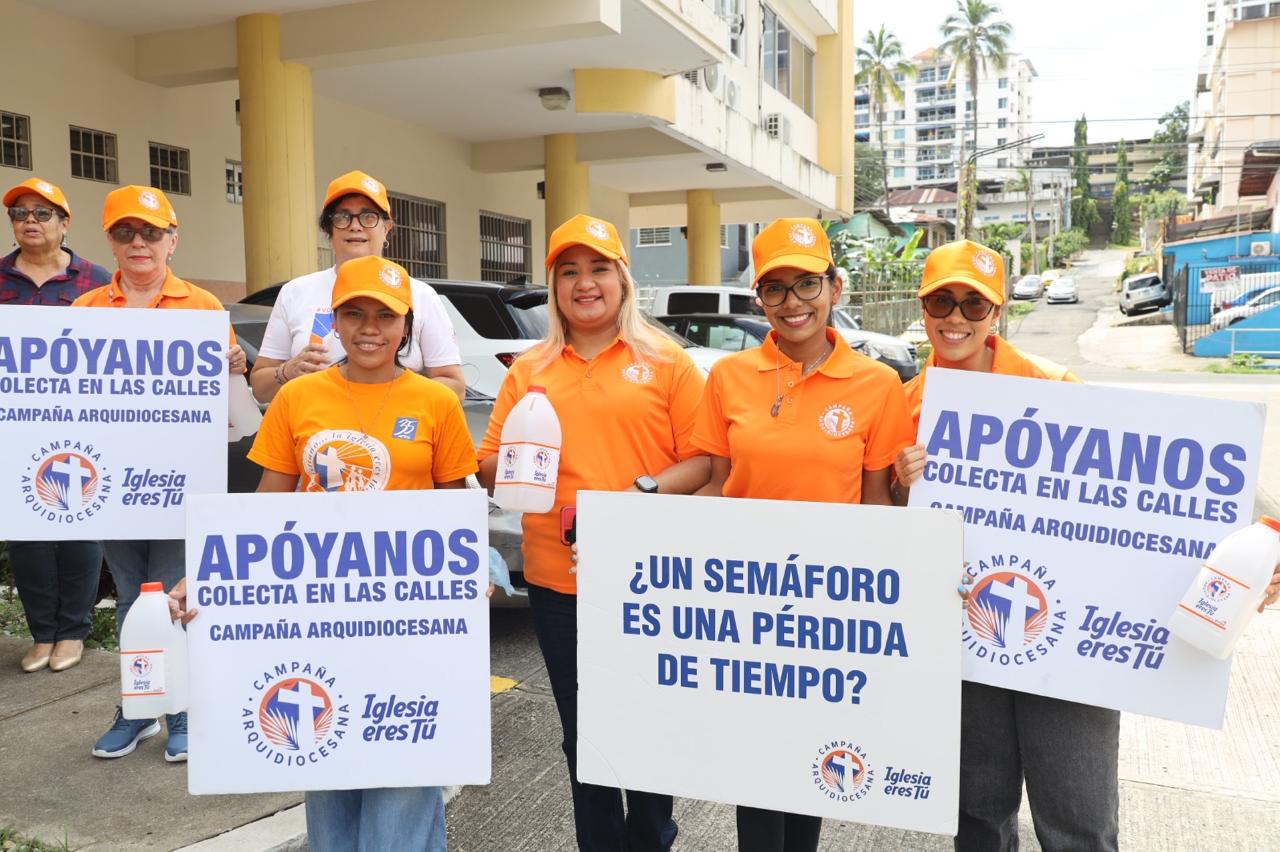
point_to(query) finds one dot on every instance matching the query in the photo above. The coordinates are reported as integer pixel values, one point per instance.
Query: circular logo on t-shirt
(637, 373)
(836, 421)
(345, 460)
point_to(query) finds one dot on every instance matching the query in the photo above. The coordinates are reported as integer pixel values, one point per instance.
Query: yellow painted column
(834, 106)
(703, 237)
(567, 183)
(277, 147)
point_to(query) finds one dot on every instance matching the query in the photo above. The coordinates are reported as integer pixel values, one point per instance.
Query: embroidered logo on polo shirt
(802, 235)
(985, 262)
(390, 276)
(597, 230)
(637, 373)
(148, 200)
(836, 421)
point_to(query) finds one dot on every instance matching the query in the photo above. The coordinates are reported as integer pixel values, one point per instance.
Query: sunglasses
(124, 234)
(20, 214)
(972, 308)
(774, 293)
(341, 219)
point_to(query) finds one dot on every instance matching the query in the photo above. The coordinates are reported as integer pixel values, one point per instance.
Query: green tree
(974, 39)
(1122, 161)
(879, 60)
(1084, 210)
(1172, 137)
(868, 175)
(1025, 182)
(1121, 208)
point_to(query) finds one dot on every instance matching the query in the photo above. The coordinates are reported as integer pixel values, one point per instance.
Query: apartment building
(490, 123)
(927, 136)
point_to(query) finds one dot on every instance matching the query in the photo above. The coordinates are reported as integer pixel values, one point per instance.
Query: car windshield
(842, 318)
(685, 343)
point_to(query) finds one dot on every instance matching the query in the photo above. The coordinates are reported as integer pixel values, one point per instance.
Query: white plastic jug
(153, 660)
(529, 457)
(1227, 590)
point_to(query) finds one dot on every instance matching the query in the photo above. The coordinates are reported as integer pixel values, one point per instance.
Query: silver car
(1028, 287)
(1062, 290)
(1139, 292)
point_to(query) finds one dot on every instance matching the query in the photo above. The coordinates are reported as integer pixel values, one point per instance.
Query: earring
(335, 334)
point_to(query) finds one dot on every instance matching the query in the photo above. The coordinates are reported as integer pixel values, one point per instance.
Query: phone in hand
(568, 525)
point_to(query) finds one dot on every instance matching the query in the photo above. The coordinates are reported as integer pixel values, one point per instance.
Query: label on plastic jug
(1211, 591)
(142, 673)
(528, 464)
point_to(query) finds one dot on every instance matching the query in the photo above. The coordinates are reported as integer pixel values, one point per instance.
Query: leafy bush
(1068, 244)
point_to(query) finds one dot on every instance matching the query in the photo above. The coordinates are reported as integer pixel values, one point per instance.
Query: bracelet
(280, 377)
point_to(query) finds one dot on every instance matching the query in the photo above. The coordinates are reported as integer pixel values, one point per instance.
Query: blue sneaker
(175, 751)
(124, 736)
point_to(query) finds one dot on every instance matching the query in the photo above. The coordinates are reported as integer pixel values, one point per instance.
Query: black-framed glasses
(972, 308)
(774, 293)
(341, 219)
(20, 214)
(124, 234)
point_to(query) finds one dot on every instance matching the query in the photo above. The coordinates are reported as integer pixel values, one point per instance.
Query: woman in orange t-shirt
(801, 417)
(626, 397)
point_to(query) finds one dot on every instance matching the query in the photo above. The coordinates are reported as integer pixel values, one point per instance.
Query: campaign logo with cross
(296, 714)
(66, 482)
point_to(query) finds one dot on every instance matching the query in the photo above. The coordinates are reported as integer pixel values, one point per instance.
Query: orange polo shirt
(174, 293)
(847, 416)
(1008, 361)
(620, 417)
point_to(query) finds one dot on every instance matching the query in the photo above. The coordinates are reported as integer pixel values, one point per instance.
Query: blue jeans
(1069, 754)
(404, 819)
(58, 584)
(598, 816)
(133, 563)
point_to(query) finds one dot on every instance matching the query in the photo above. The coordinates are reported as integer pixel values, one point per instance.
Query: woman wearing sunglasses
(142, 232)
(800, 417)
(1066, 752)
(56, 580)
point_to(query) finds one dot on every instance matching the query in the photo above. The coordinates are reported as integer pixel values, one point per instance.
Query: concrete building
(927, 135)
(490, 122)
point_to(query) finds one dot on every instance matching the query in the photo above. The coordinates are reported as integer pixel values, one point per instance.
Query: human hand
(237, 362)
(909, 464)
(177, 602)
(313, 358)
(573, 557)
(965, 587)
(488, 592)
(1273, 590)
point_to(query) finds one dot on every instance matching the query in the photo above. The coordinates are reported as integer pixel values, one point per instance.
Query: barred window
(417, 241)
(93, 154)
(506, 247)
(170, 168)
(15, 140)
(235, 182)
(653, 237)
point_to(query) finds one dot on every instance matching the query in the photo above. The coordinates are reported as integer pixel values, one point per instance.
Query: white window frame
(234, 173)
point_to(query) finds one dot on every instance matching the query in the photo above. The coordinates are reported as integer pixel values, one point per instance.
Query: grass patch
(1018, 310)
(1246, 364)
(11, 841)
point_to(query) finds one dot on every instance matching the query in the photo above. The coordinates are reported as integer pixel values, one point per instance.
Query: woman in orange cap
(299, 339)
(626, 397)
(800, 417)
(343, 429)
(56, 580)
(142, 232)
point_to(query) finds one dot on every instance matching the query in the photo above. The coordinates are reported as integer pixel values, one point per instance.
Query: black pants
(597, 811)
(774, 831)
(58, 584)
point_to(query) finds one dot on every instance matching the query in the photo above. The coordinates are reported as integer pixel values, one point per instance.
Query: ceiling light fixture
(717, 167)
(554, 97)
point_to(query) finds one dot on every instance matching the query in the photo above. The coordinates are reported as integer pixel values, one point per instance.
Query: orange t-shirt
(1007, 361)
(315, 429)
(174, 293)
(847, 416)
(620, 417)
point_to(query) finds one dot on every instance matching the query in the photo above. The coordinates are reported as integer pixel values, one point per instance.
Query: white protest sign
(341, 640)
(1088, 511)
(785, 655)
(111, 417)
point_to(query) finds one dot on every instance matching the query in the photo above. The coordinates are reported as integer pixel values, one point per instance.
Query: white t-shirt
(303, 306)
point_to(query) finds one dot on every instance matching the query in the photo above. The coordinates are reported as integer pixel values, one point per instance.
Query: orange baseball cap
(375, 278)
(583, 230)
(42, 188)
(965, 262)
(797, 243)
(358, 183)
(138, 202)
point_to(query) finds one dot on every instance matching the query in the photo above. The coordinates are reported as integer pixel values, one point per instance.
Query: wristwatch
(647, 484)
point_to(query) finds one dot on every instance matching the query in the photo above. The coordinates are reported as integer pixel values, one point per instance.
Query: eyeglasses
(774, 293)
(972, 308)
(367, 218)
(124, 234)
(20, 214)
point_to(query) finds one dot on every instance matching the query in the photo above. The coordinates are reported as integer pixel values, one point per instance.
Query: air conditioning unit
(778, 126)
(732, 93)
(1259, 249)
(711, 78)
(692, 76)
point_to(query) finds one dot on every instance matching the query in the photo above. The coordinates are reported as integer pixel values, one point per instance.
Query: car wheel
(1124, 310)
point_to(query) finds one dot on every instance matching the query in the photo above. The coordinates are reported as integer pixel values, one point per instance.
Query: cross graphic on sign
(843, 766)
(1015, 631)
(306, 701)
(329, 465)
(77, 475)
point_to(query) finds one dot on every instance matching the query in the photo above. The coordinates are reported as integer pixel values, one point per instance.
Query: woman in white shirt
(299, 339)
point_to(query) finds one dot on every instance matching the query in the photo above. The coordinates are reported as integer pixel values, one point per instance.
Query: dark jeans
(597, 811)
(774, 831)
(58, 582)
(134, 562)
(1069, 754)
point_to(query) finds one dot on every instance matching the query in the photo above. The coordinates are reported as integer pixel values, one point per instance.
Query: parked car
(1028, 287)
(915, 333)
(1139, 292)
(1241, 298)
(1269, 298)
(699, 299)
(1062, 290)
(734, 333)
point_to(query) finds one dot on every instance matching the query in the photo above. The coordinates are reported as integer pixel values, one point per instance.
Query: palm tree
(880, 60)
(1024, 182)
(974, 39)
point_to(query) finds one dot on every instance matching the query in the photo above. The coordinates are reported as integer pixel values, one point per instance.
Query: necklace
(813, 365)
(805, 369)
(355, 409)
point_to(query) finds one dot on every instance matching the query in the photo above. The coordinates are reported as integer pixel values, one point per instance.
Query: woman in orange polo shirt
(626, 398)
(801, 417)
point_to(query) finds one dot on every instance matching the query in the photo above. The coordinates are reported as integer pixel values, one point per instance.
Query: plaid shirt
(80, 277)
